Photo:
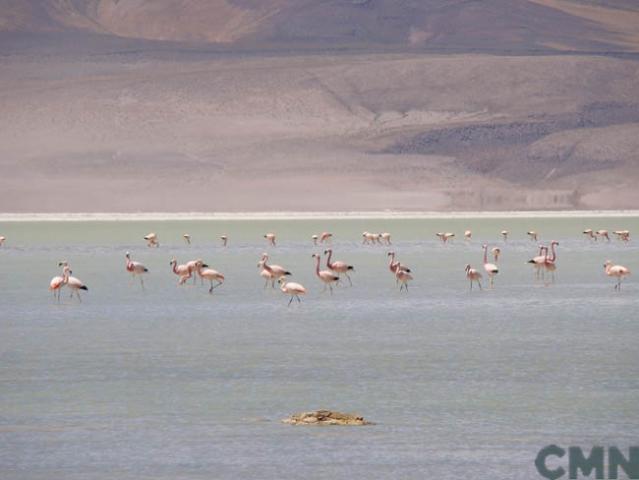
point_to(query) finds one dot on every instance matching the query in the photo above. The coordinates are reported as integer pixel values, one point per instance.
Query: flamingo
(623, 235)
(590, 234)
(209, 274)
(314, 238)
(2, 239)
(182, 271)
(270, 238)
(276, 271)
(370, 238)
(152, 240)
(135, 268)
(266, 274)
(325, 237)
(445, 236)
(618, 271)
(474, 276)
(393, 266)
(491, 268)
(326, 276)
(224, 239)
(75, 284)
(540, 260)
(187, 238)
(603, 233)
(504, 235)
(532, 235)
(385, 237)
(549, 262)
(496, 251)
(468, 235)
(403, 277)
(338, 266)
(291, 288)
(57, 282)
(192, 266)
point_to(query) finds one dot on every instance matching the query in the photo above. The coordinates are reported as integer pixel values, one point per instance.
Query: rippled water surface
(174, 383)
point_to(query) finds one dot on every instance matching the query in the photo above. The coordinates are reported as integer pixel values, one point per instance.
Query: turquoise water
(174, 383)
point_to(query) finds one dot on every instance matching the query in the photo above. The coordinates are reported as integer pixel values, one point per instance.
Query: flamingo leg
(289, 302)
(142, 282)
(77, 294)
(298, 299)
(349, 279)
(479, 283)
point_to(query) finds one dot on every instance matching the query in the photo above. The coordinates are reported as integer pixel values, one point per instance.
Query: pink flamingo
(325, 237)
(445, 236)
(496, 251)
(603, 233)
(338, 266)
(314, 238)
(270, 238)
(393, 266)
(75, 285)
(468, 235)
(152, 240)
(623, 235)
(590, 234)
(490, 268)
(276, 271)
(403, 277)
(533, 235)
(224, 239)
(293, 289)
(549, 262)
(540, 260)
(618, 271)
(57, 282)
(326, 276)
(187, 238)
(474, 276)
(2, 239)
(370, 238)
(135, 268)
(209, 274)
(385, 237)
(266, 274)
(183, 272)
(504, 235)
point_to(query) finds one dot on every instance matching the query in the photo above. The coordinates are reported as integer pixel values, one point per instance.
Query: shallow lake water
(174, 383)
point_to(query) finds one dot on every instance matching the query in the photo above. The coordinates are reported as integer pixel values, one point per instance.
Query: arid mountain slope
(446, 25)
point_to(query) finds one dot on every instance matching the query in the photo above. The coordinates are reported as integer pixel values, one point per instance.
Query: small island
(325, 417)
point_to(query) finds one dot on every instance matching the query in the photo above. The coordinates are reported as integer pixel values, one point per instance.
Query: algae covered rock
(325, 417)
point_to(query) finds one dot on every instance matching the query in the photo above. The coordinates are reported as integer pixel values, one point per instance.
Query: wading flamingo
(468, 235)
(270, 238)
(182, 271)
(403, 277)
(393, 266)
(338, 266)
(534, 236)
(370, 238)
(474, 276)
(152, 240)
(192, 266)
(623, 235)
(618, 271)
(539, 261)
(590, 234)
(490, 268)
(135, 268)
(550, 264)
(267, 275)
(293, 289)
(75, 285)
(504, 235)
(385, 237)
(325, 237)
(603, 233)
(314, 238)
(187, 238)
(2, 239)
(326, 276)
(224, 239)
(496, 251)
(57, 282)
(209, 274)
(276, 271)
(445, 236)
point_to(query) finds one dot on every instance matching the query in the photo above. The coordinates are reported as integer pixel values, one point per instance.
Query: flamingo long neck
(485, 254)
(391, 264)
(553, 254)
(317, 267)
(328, 259)
(129, 264)
(174, 267)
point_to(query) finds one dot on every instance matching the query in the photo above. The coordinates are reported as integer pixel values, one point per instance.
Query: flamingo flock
(545, 261)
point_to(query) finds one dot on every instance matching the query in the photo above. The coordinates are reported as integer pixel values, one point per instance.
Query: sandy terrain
(101, 123)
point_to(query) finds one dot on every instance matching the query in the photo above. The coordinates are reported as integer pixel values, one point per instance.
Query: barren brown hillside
(385, 104)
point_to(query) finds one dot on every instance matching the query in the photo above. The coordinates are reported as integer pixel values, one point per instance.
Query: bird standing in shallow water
(491, 268)
(618, 271)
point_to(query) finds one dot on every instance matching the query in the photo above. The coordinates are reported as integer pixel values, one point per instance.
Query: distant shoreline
(238, 216)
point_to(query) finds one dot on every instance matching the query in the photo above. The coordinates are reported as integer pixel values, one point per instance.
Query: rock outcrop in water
(325, 417)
